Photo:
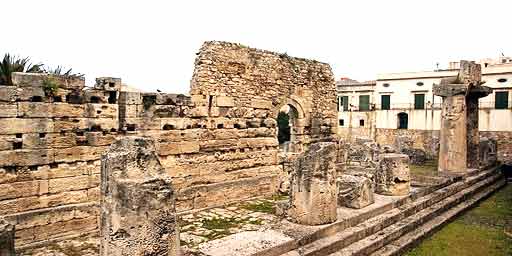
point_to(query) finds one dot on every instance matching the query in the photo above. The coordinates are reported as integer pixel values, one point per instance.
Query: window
(343, 103)
(419, 83)
(402, 120)
(361, 122)
(419, 101)
(501, 100)
(342, 122)
(385, 85)
(502, 80)
(385, 102)
(364, 102)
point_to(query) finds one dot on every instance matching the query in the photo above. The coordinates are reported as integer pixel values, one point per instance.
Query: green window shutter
(419, 101)
(385, 102)
(501, 100)
(345, 103)
(338, 105)
(364, 102)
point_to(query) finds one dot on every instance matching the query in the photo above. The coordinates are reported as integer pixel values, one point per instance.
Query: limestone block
(37, 80)
(225, 101)
(199, 112)
(174, 148)
(108, 83)
(313, 186)
(261, 104)
(39, 109)
(80, 182)
(95, 96)
(128, 111)
(27, 93)
(79, 153)
(26, 157)
(138, 215)
(99, 139)
(6, 238)
(8, 93)
(101, 110)
(354, 191)
(25, 125)
(130, 98)
(8, 110)
(392, 176)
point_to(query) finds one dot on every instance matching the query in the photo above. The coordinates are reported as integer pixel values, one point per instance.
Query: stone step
(384, 237)
(411, 239)
(345, 237)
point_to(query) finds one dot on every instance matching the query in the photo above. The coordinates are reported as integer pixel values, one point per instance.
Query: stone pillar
(6, 238)
(138, 214)
(472, 134)
(313, 186)
(459, 136)
(354, 191)
(392, 177)
(453, 134)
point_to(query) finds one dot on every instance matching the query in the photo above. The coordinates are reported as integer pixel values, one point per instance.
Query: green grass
(429, 168)
(264, 206)
(480, 231)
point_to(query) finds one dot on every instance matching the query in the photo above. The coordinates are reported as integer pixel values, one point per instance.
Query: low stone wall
(504, 140)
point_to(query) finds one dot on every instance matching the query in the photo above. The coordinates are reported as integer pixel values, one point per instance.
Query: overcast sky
(152, 44)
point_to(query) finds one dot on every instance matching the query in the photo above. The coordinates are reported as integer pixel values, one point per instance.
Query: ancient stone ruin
(313, 186)
(459, 137)
(125, 169)
(138, 215)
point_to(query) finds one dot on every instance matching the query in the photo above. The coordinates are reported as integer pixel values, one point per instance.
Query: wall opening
(286, 119)
(403, 120)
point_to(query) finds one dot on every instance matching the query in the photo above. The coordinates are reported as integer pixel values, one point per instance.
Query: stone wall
(50, 149)
(219, 145)
(428, 140)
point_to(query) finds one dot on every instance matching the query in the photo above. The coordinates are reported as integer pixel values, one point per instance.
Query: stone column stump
(6, 238)
(313, 186)
(392, 177)
(138, 215)
(354, 191)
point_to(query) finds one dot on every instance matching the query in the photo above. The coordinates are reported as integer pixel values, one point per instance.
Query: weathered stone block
(262, 104)
(25, 125)
(8, 110)
(225, 101)
(138, 214)
(313, 186)
(130, 98)
(37, 80)
(393, 175)
(354, 191)
(108, 83)
(8, 93)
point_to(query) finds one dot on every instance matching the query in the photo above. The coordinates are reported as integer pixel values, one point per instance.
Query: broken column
(313, 186)
(354, 191)
(138, 214)
(488, 152)
(6, 238)
(392, 177)
(459, 138)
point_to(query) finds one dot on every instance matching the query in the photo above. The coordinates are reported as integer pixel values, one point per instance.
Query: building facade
(401, 106)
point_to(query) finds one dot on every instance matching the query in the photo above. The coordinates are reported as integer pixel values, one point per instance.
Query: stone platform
(388, 227)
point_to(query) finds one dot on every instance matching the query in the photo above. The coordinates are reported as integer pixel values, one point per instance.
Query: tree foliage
(11, 63)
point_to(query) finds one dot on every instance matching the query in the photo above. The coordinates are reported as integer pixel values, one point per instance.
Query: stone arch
(296, 121)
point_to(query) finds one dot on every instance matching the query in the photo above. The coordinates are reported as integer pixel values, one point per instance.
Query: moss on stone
(480, 231)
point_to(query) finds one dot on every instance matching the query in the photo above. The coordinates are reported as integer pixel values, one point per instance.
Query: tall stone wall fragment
(354, 191)
(6, 238)
(313, 186)
(393, 175)
(138, 214)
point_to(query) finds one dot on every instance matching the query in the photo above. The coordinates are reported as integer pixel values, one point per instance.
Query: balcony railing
(410, 106)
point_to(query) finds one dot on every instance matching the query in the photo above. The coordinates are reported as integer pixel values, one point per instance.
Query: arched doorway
(403, 120)
(286, 119)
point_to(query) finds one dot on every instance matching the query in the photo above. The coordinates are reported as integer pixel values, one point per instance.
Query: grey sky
(152, 44)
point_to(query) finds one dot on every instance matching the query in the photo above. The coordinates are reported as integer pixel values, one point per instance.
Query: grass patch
(480, 231)
(218, 223)
(429, 168)
(264, 206)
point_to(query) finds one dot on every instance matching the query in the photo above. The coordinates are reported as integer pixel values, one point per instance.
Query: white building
(403, 104)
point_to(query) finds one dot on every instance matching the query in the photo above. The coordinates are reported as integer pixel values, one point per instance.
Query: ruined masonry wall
(50, 148)
(219, 145)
